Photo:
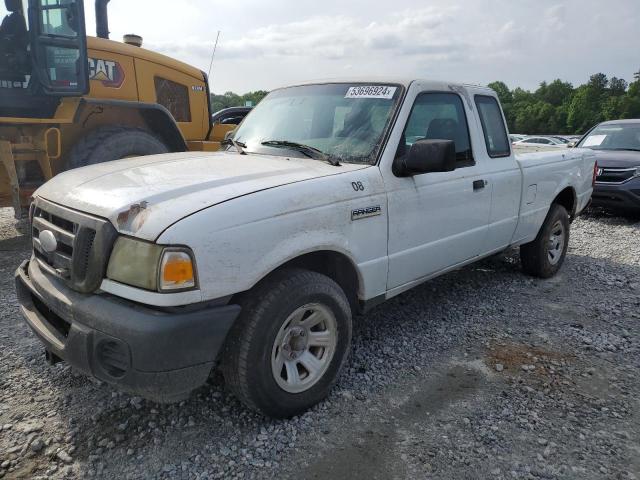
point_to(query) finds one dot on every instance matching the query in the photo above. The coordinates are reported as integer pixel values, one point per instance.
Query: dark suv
(617, 147)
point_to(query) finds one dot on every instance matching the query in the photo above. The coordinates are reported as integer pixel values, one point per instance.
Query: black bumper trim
(625, 196)
(169, 354)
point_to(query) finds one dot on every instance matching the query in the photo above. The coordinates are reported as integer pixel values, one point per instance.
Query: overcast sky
(269, 43)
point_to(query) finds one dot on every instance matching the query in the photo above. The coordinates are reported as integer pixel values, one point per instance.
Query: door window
(438, 116)
(495, 133)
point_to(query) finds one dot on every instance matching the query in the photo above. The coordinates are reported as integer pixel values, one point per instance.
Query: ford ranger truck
(329, 198)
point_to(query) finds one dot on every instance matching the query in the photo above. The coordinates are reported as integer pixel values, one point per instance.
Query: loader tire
(113, 143)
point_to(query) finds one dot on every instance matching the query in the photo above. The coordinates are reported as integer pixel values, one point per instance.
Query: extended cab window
(495, 134)
(438, 116)
(174, 97)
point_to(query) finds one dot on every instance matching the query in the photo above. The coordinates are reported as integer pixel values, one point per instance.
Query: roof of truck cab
(404, 81)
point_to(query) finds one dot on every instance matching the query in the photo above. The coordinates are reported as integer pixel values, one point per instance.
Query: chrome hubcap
(556, 243)
(304, 347)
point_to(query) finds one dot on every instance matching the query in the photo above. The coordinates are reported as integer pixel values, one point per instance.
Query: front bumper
(623, 196)
(156, 354)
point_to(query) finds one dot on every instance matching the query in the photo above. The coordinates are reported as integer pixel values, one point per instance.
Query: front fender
(238, 243)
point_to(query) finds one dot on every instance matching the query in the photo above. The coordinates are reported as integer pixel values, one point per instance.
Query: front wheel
(289, 344)
(545, 255)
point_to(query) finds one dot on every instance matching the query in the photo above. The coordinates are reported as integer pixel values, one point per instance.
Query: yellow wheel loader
(68, 100)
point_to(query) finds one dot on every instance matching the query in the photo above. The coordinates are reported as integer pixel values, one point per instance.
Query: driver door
(437, 220)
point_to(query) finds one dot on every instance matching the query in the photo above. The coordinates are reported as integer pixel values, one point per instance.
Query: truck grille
(615, 175)
(71, 245)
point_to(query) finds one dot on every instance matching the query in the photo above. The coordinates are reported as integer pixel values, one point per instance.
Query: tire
(113, 143)
(253, 362)
(538, 258)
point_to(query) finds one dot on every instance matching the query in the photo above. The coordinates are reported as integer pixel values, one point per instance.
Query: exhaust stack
(102, 19)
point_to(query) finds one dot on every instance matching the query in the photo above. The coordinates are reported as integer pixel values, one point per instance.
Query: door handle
(479, 184)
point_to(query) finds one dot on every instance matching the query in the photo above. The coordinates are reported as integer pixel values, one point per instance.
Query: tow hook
(51, 357)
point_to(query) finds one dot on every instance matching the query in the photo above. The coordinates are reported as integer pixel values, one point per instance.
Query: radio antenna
(213, 54)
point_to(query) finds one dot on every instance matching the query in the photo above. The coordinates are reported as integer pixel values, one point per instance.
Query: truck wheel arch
(568, 199)
(336, 265)
(153, 117)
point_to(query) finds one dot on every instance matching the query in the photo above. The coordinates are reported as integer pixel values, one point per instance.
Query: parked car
(231, 115)
(516, 138)
(541, 142)
(330, 199)
(617, 147)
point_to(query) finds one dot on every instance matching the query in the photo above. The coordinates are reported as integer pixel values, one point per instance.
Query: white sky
(265, 44)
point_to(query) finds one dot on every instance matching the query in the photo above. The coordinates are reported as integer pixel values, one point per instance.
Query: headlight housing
(151, 267)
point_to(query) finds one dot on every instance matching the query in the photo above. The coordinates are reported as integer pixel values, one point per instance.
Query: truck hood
(142, 196)
(617, 158)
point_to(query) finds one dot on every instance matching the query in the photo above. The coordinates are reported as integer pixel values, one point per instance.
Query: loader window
(15, 63)
(59, 18)
(174, 97)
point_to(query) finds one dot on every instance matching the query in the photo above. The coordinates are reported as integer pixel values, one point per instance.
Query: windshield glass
(618, 136)
(15, 65)
(345, 122)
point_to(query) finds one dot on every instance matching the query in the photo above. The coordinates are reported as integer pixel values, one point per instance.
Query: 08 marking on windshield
(371, 91)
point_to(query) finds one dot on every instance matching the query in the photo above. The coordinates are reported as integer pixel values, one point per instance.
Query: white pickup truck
(329, 199)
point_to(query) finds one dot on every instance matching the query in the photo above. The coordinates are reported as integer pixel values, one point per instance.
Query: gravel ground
(482, 373)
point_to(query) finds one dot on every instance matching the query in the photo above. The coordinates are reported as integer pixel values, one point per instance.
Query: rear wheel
(289, 344)
(113, 143)
(545, 255)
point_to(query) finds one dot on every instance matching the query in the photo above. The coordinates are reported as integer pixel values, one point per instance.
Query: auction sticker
(371, 91)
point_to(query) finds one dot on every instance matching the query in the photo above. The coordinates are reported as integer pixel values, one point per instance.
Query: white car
(330, 199)
(540, 142)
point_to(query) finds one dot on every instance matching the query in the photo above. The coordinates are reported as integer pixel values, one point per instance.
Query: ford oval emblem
(48, 241)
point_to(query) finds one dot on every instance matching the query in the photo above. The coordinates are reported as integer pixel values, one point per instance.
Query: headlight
(150, 266)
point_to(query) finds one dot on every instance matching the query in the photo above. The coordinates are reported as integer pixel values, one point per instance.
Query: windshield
(618, 136)
(344, 122)
(15, 64)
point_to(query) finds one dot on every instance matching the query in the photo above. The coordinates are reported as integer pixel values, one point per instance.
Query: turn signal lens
(176, 271)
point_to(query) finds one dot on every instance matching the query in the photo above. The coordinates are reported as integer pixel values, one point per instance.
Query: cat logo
(109, 72)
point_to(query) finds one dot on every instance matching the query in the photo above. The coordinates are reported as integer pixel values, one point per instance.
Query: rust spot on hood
(134, 217)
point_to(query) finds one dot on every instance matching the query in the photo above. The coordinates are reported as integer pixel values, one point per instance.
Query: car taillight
(595, 173)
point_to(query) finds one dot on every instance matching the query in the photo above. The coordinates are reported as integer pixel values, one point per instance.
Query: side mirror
(571, 144)
(427, 156)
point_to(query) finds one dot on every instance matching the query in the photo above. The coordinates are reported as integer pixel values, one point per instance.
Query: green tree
(504, 94)
(557, 92)
(231, 99)
(617, 86)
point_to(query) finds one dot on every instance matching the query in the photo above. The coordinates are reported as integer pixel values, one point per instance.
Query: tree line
(558, 107)
(230, 99)
(555, 107)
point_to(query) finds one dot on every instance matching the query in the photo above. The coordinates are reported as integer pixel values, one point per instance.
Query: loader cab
(43, 55)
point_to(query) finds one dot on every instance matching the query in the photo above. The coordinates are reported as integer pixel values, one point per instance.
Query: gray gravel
(482, 373)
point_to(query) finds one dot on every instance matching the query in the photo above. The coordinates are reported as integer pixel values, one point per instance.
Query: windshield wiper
(307, 150)
(627, 149)
(238, 145)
